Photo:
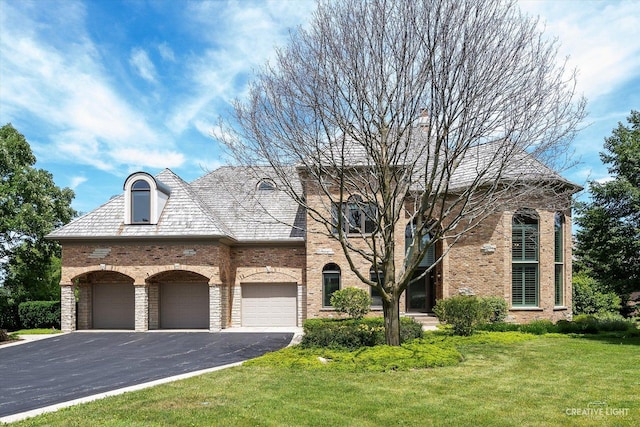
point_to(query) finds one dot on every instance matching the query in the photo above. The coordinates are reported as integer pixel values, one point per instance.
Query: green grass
(41, 331)
(506, 379)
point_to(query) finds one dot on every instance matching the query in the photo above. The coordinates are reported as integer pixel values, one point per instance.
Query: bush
(588, 298)
(4, 336)
(464, 313)
(39, 314)
(497, 307)
(352, 334)
(354, 302)
(538, 327)
(499, 327)
(9, 318)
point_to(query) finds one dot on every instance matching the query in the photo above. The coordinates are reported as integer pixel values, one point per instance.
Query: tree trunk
(391, 311)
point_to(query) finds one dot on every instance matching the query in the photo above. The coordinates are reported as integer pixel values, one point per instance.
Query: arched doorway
(182, 300)
(106, 301)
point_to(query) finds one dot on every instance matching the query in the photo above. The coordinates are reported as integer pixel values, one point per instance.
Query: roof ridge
(195, 198)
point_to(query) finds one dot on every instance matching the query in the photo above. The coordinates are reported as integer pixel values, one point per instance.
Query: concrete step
(425, 319)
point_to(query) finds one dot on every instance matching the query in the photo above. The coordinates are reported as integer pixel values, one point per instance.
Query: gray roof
(232, 195)
(183, 215)
(228, 203)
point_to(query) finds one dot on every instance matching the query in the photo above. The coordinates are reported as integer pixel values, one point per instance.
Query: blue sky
(103, 88)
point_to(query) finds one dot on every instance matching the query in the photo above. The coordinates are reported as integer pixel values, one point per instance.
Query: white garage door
(113, 306)
(269, 305)
(184, 306)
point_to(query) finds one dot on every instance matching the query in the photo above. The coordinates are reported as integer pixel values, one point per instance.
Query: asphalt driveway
(71, 366)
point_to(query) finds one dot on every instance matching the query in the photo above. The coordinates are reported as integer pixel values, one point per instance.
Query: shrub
(352, 333)
(39, 314)
(9, 318)
(588, 298)
(3, 335)
(499, 327)
(538, 327)
(497, 307)
(354, 302)
(464, 313)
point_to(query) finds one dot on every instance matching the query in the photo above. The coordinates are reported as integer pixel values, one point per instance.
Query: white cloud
(76, 181)
(70, 93)
(149, 158)
(143, 65)
(241, 38)
(166, 52)
(600, 38)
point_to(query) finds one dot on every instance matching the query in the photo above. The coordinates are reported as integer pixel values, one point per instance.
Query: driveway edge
(53, 408)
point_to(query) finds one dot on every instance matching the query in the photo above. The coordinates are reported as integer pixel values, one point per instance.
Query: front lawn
(524, 380)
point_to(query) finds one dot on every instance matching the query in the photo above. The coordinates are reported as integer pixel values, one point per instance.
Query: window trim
(376, 278)
(367, 211)
(330, 268)
(142, 204)
(525, 220)
(158, 195)
(558, 258)
(266, 184)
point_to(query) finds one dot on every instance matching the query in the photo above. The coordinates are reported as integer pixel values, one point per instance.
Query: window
(429, 257)
(140, 202)
(357, 216)
(266, 184)
(330, 283)
(559, 259)
(524, 259)
(376, 298)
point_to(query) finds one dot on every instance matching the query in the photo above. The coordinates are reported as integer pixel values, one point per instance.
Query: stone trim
(236, 306)
(141, 307)
(215, 307)
(68, 306)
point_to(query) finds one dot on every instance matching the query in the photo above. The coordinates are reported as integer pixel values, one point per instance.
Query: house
(230, 250)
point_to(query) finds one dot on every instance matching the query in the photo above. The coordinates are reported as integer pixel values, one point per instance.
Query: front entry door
(421, 293)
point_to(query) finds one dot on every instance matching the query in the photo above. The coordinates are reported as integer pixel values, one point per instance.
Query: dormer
(144, 199)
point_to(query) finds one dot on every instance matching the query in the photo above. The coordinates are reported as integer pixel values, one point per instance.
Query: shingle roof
(232, 195)
(183, 215)
(228, 203)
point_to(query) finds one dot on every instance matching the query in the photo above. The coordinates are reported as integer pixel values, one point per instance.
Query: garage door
(269, 305)
(184, 306)
(113, 306)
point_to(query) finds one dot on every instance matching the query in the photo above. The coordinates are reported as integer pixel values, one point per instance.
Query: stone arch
(162, 272)
(268, 275)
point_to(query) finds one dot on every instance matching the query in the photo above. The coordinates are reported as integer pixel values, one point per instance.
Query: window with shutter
(559, 259)
(524, 259)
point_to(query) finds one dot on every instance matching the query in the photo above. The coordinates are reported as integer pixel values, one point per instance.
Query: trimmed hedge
(581, 324)
(352, 334)
(39, 314)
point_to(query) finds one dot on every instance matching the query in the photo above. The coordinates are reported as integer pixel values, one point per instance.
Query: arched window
(524, 259)
(330, 282)
(140, 202)
(559, 258)
(266, 184)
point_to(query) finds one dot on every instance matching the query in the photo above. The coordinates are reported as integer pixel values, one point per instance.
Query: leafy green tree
(588, 297)
(608, 237)
(31, 206)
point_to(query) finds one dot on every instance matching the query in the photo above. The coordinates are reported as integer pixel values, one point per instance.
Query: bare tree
(433, 113)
